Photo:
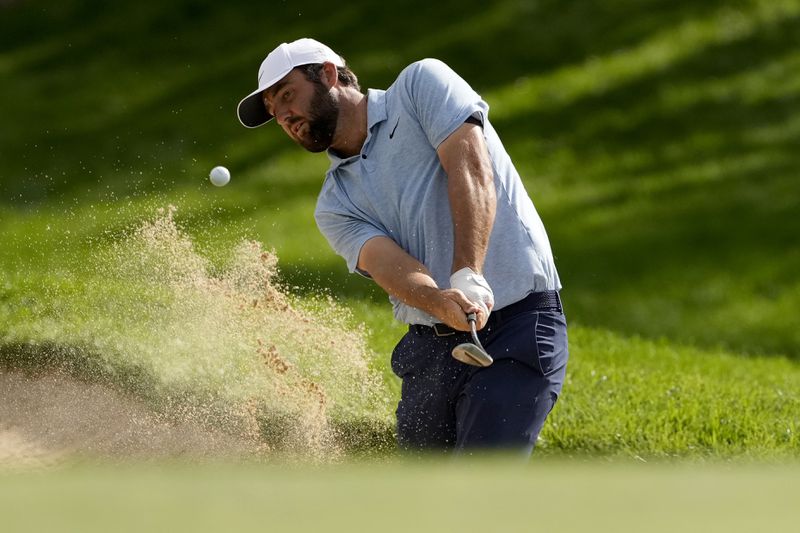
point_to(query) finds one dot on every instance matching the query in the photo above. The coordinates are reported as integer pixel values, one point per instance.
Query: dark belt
(535, 301)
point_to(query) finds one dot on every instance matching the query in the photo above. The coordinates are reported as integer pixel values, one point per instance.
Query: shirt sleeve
(346, 233)
(441, 99)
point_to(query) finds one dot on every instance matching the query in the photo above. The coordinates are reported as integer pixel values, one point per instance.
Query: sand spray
(225, 347)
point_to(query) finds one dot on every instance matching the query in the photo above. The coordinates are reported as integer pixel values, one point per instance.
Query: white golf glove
(474, 286)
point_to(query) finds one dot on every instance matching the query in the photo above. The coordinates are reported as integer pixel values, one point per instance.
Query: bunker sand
(46, 419)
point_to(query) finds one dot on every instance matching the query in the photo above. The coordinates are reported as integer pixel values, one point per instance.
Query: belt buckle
(445, 332)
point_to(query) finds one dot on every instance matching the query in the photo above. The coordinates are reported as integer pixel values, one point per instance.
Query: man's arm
(471, 192)
(473, 202)
(470, 187)
(411, 282)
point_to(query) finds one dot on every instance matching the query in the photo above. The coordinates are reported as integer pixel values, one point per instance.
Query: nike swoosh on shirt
(395, 128)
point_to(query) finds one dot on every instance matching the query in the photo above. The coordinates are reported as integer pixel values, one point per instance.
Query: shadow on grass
(132, 96)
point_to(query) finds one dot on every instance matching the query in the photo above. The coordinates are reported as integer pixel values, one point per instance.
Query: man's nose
(282, 114)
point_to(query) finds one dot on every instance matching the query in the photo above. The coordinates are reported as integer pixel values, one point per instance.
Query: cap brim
(252, 112)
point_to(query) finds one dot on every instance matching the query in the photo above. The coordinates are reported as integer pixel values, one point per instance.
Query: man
(422, 197)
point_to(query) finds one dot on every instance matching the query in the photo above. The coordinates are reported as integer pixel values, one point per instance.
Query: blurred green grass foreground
(396, 497)
(659, 140)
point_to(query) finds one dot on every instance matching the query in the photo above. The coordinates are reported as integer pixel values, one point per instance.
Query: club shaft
(472, 319)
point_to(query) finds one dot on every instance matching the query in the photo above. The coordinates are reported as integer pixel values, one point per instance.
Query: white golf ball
(220, 176)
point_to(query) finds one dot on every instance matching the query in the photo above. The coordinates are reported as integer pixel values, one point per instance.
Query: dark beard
(323, 116)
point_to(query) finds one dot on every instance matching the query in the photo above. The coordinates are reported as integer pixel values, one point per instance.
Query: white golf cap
(252, 112)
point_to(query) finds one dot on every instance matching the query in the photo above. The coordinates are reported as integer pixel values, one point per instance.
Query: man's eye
(286, 95)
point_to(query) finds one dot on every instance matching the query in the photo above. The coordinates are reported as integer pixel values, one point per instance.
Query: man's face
(306, 110)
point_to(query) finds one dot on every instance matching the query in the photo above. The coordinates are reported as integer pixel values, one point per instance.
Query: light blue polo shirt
(397, 188)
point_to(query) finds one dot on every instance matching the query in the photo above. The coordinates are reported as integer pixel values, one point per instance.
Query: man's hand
(454, 308)
(475, 288)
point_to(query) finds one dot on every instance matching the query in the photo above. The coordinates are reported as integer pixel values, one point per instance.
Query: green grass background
(659, 140)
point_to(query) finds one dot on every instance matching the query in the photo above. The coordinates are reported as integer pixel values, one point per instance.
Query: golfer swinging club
(422, 198)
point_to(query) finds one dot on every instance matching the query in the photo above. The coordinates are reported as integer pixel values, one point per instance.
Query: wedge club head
(472, 354)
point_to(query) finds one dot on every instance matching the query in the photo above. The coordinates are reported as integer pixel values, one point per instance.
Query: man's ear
(330, 75)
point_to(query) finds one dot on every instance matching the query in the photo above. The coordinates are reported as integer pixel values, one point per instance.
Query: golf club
(472, 354)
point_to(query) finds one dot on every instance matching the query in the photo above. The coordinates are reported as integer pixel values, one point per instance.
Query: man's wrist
(426, 296)
(472, 267)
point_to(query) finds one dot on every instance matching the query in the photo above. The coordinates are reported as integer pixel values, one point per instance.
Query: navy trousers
(446, 404)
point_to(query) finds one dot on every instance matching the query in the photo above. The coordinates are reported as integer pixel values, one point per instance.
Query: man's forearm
(471, 192)
(398, 273)
(408, 280)
(473, 210)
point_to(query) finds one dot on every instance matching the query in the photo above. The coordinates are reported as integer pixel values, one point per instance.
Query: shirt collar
(376, 113)
(376, 107)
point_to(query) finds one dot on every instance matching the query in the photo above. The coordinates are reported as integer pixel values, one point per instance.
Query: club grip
(472, 317)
